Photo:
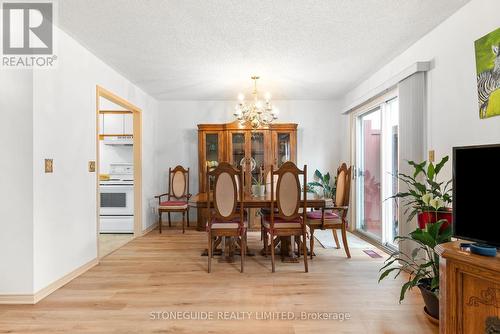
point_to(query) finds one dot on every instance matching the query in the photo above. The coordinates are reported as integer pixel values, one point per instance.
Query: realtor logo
(27, 28)
(27, 34)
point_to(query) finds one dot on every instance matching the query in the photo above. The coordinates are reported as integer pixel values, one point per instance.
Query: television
(476, 194)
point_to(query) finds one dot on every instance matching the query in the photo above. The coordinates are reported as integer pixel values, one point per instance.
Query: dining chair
(226, 216)
(336, 217)
(266, 172)
(287, 220)
(177, 196)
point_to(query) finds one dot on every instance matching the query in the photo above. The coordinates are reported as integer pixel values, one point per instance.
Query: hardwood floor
(165, 273)
(109, 242)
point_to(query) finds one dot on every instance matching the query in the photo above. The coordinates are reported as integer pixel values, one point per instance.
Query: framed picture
(488, 74)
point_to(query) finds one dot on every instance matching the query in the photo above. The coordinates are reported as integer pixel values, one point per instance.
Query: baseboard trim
(17, 299)
(64, 280)
(44, 292)
(149, 229)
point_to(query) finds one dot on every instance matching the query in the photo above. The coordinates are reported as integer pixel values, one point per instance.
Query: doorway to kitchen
(118, 166)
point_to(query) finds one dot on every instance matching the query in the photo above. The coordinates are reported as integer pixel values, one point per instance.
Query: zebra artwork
(488, 82)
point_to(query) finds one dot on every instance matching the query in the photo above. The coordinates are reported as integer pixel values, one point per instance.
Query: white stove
(117, 200)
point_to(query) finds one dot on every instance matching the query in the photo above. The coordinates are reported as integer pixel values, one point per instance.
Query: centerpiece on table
(258, 187)
(428, 199)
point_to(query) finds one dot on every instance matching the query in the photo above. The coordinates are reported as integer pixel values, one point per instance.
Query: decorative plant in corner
(426, 198)
(322, 182)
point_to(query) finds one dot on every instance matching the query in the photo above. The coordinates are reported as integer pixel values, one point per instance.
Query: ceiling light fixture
(257, 113)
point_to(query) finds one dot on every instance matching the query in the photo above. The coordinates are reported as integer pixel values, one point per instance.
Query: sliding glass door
(369, 174)
(376, 164)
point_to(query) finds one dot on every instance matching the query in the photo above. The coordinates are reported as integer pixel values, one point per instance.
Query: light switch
(49, 166)
(431, 156)
(92, 166)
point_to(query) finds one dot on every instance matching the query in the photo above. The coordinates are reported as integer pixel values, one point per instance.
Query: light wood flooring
(165, 273)
(109, 242)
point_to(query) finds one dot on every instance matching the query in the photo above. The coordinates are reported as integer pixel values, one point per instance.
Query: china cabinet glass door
(283, 148)
(212, 152)
(237, 148)
(257, 155)
(212, 148)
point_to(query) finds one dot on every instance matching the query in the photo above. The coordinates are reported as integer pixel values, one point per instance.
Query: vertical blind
(412, 106)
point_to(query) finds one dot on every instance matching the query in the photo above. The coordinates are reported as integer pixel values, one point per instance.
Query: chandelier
(257, 113)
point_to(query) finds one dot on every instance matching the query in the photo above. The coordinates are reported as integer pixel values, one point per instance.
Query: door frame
(137, 157)
(369, 106)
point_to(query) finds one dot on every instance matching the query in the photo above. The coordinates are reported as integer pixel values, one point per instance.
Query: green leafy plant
(423, 263)
(424, 194)
(257, 181)
(323, 182)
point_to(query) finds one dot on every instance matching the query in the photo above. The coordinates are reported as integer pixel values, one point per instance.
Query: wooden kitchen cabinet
(239, 145)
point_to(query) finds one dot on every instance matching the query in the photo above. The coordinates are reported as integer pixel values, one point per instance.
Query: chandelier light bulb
(267, 96)
(241, 97)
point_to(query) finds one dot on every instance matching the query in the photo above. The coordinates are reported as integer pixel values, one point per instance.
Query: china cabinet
(246, 148)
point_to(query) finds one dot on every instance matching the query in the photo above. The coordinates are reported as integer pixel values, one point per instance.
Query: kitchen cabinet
(128, 124)
(116, 124)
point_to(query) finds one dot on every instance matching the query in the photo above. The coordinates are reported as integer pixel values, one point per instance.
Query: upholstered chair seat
(173, 205)
(177, 196)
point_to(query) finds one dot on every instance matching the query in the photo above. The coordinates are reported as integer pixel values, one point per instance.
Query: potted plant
(426, 198)
(258, 188)
(322, 185)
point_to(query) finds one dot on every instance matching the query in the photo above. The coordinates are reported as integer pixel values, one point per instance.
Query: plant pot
(430, 217)
(258, 190)
(430, 299)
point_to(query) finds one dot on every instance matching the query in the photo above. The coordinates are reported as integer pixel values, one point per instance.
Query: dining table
(250, 201)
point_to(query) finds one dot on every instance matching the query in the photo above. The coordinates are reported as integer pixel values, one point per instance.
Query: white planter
(258, 191)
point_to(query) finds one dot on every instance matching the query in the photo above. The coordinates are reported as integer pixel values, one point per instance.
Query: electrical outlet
(49, 165)
(431, 155)
(92, 166)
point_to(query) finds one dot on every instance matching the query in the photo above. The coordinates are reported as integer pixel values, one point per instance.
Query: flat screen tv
(476, 193)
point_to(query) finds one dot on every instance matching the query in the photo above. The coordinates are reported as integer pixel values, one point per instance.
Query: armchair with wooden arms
(177, 196)
(336, 217)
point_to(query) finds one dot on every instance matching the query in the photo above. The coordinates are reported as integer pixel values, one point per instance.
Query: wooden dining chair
(286, 220)
(334, 218)
(177, 196)
(226, 212)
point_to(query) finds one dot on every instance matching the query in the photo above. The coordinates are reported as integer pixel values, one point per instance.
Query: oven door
(117, 200)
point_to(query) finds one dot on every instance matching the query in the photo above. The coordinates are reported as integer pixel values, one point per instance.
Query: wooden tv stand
(469, 291)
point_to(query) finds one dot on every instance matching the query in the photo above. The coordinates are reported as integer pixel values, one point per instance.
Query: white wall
(318, 139)
(16, 180)
(64, 129)
(452, 109)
